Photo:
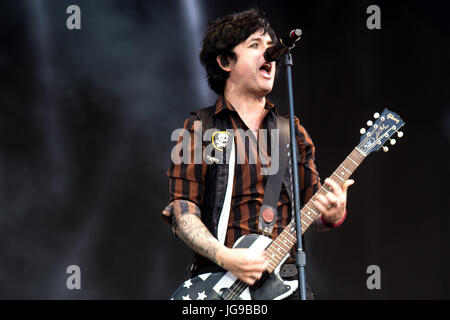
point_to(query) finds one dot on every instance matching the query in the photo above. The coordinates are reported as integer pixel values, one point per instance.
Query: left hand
(332, 205)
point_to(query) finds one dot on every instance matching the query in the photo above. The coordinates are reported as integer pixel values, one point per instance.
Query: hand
(332, 205)
(245, 264)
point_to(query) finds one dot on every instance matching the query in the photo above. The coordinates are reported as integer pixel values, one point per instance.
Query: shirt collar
(223, 104)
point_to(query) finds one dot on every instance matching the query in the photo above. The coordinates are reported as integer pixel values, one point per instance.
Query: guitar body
(225, 286)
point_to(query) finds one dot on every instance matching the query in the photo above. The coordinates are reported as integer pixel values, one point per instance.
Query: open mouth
(266, 68)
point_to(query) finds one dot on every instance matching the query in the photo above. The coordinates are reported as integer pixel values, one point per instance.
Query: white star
(186, 297)
(187, 284)
(201, 295)
(204, 276)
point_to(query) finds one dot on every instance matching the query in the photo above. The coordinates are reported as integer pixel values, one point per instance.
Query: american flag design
(225, 286)
(199, 288)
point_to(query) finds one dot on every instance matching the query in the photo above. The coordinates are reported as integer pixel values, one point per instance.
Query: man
(233, 55)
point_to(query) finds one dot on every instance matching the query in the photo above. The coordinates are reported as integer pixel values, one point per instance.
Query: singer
(239, 69)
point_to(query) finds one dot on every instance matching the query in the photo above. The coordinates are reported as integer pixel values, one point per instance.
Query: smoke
(87, 182)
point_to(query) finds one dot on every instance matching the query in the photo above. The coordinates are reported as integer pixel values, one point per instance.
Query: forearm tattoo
(190, 229)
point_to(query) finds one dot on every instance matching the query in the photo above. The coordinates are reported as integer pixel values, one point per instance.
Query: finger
(252, 268)
(335, 188)
(332, 198)
(322, 209)
(248, 280)
(347, 184)
(254, 262)
(256, 257)
(258, 267)
(320, 198)
(256, 275)
(252, 277)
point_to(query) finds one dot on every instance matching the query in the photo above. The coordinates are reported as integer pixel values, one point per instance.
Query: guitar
(225, 286)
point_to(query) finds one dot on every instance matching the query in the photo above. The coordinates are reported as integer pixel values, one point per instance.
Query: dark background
(85, 123)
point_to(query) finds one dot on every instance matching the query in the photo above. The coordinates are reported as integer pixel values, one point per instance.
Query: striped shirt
(187, 181)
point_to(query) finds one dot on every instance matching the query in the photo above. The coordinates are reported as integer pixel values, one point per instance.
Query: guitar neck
(283, 244)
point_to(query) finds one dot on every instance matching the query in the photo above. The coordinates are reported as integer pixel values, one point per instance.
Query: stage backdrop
(89, 97)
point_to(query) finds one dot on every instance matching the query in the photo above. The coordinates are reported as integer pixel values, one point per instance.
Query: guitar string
(243, 285)
(359, 157)
(240, 286)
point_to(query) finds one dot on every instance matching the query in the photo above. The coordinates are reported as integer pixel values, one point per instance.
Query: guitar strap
(268, 212)
(225, 213)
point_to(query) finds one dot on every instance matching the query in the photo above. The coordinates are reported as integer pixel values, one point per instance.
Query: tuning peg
(385, 149)
(362, 131)
(369, 123)
(393, 141)
(400, 134)
(376, 115)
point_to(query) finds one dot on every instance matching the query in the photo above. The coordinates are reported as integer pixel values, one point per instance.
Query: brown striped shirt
(187, 181)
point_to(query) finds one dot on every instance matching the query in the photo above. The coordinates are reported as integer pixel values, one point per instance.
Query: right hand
(245, 264)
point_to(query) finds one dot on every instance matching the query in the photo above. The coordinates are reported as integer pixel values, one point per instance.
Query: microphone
(282, 46)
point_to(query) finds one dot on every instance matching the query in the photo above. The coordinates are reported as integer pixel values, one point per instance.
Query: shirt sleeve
(186, 172)
(309, 176)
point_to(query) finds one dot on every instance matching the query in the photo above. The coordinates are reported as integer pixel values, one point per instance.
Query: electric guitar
(226, 286)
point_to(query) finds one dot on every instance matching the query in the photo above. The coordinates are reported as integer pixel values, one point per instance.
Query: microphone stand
(300, 257)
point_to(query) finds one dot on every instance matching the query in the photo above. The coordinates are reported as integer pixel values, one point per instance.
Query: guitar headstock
(385, 126)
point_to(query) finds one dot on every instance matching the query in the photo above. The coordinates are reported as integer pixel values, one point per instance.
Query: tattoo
(190, 229)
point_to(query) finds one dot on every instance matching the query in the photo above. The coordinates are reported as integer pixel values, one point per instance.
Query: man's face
(250, 73)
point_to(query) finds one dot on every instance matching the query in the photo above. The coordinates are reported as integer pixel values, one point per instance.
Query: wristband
(334, 225)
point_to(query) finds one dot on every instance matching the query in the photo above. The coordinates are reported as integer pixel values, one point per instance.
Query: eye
(254, 45)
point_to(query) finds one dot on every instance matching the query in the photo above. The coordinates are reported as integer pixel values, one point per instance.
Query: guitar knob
(376, 115)
(400, 134)
(369, 123)
(393, 141)
(385, 149)
(362, 131)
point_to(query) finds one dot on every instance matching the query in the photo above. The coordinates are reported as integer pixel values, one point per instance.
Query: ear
(223, 63)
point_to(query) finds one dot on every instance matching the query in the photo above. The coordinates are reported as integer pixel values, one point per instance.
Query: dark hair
(223, 35)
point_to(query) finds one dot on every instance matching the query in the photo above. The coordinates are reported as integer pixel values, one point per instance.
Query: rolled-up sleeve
(309, 176)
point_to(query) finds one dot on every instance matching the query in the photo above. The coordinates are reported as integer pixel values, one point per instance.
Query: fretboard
(282, 245)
